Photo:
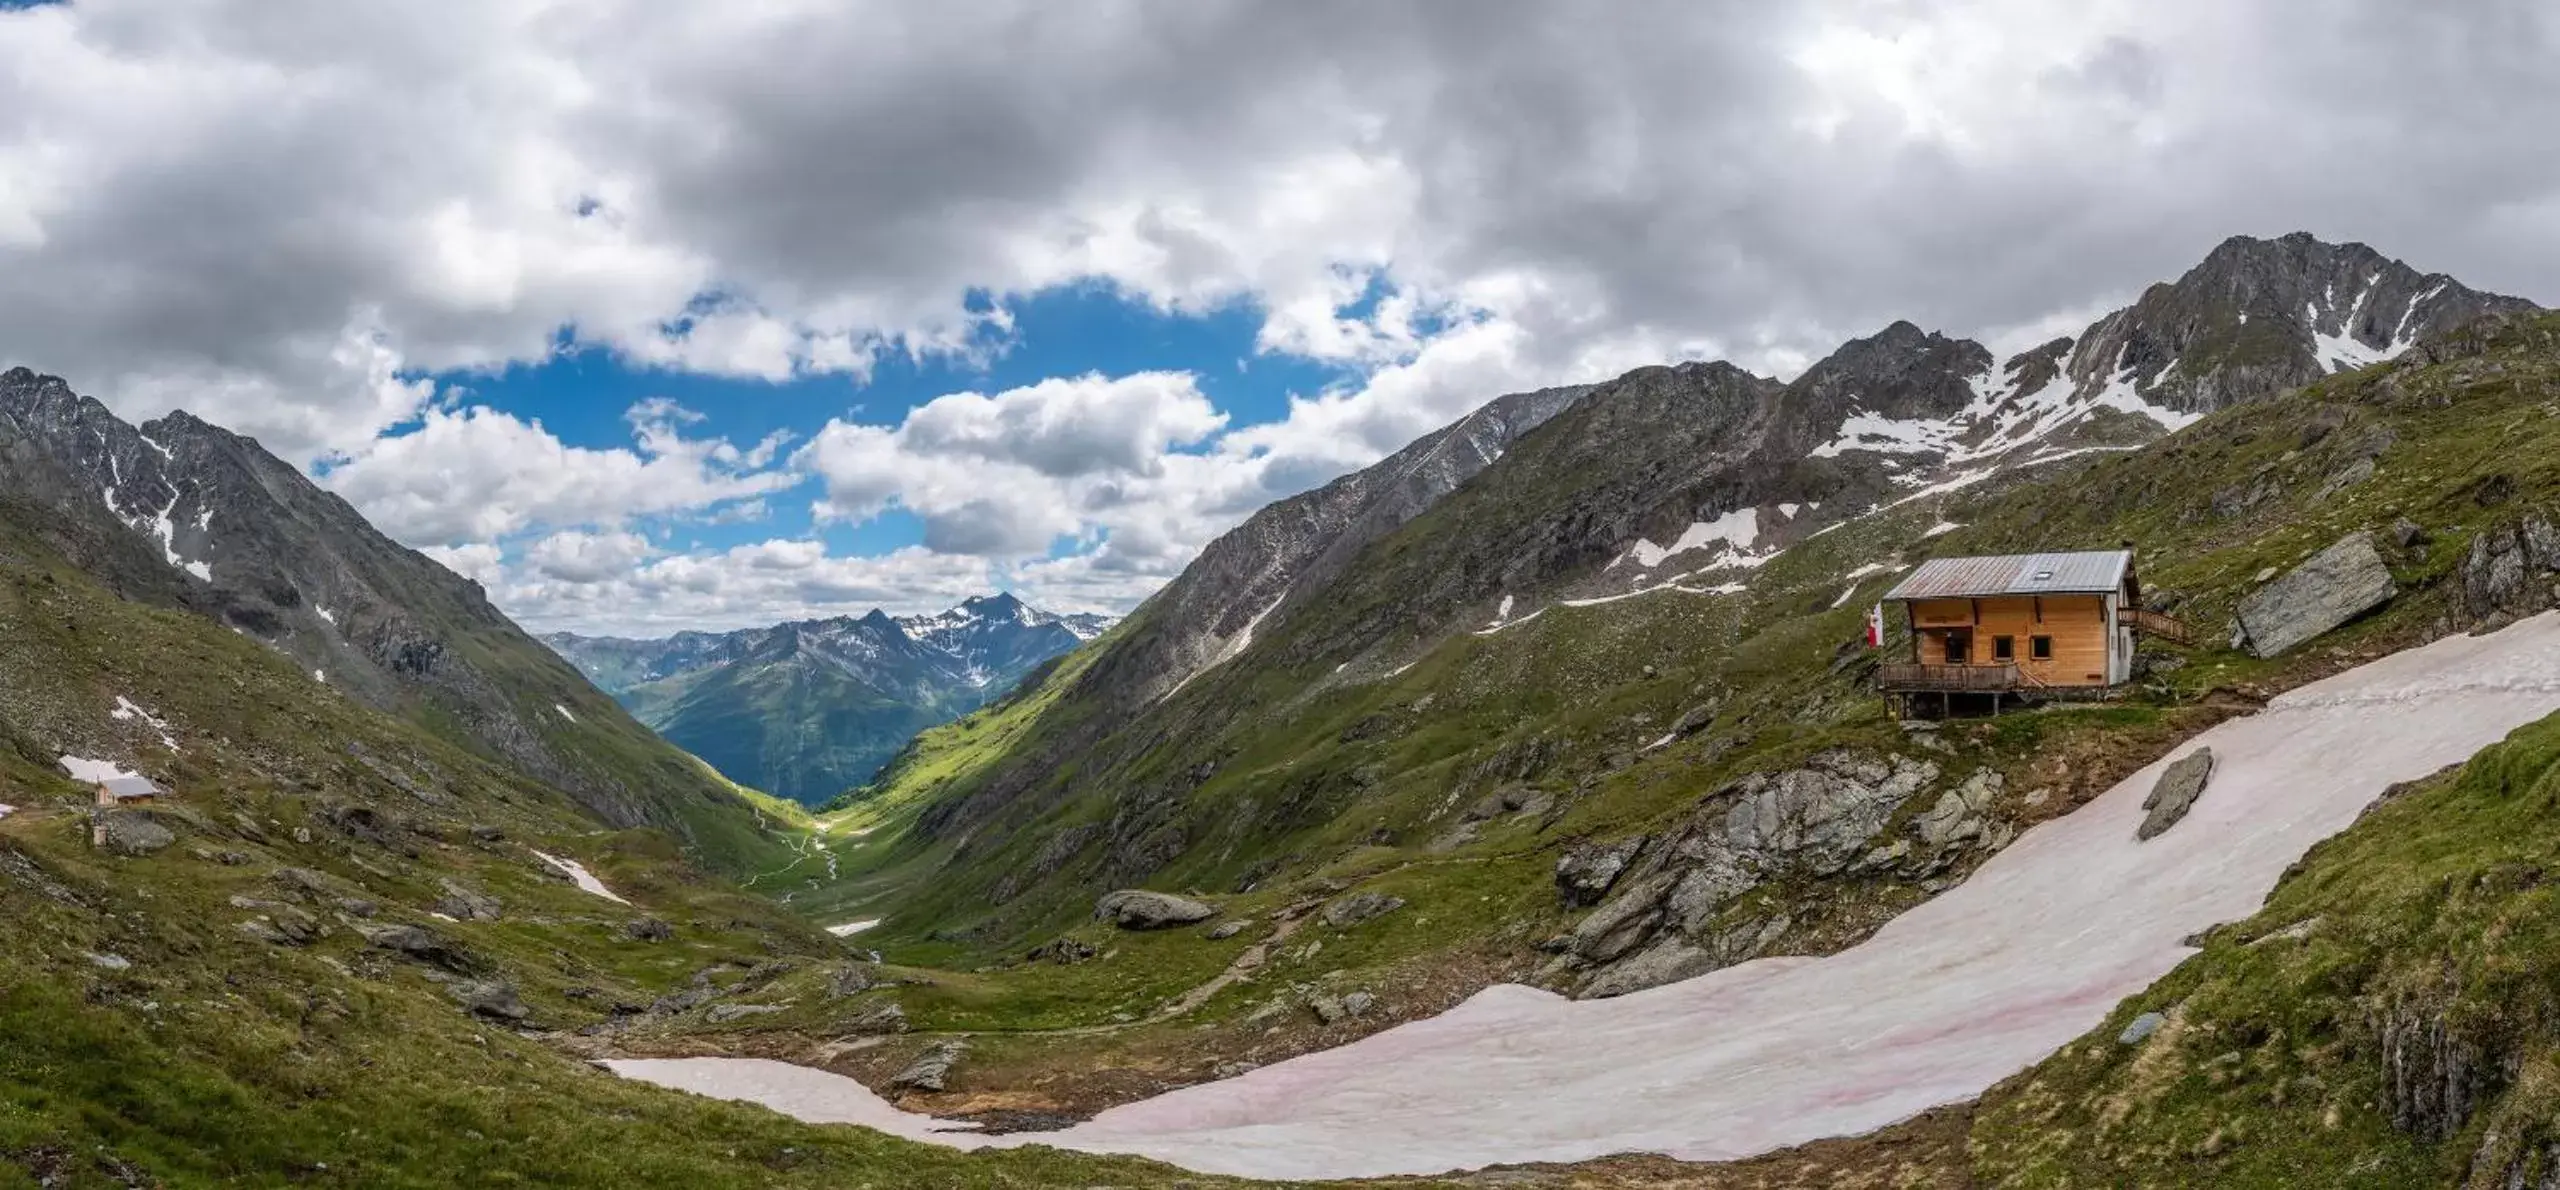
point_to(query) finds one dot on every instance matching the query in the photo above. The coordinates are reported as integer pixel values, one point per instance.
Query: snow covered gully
(1946, 1000)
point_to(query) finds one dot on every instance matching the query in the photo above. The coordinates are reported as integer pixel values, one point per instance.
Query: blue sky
(582, 393)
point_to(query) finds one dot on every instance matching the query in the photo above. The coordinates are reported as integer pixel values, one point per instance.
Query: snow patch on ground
(327, 615)
(6, 811)
(1942, 528)
(94, 772)
(1233, 647)
(1736, 530)
(851, 928)
(812, 1095)
(580, 876)
(2120, 394)
(1961, 991)
(1889, 435)
(2343, 353)
(1498, 626)
(564, 712)
(127, 711)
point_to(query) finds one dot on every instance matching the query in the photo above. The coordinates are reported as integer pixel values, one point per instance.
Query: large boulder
(463, 903)
(1139, 909)
(424, 945)
(491, 999)
(132, 833)
(2179, 786)
(2336, 585)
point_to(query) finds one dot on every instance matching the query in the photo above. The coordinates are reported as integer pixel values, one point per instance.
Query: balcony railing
(2155, 624)
(1906, 678)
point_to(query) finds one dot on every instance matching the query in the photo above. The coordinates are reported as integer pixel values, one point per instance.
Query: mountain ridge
(213, 523)
(810, 708)
(1671, 478)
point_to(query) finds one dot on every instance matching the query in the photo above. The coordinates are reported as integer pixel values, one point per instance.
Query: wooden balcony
(1957, 679)
(2155, 624)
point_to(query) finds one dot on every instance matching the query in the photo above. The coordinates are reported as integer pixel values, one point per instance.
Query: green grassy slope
(1297, 767)
(2389, 1019)
(150, 1035)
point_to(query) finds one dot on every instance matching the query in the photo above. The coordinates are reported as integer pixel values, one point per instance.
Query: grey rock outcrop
(648, 929)
(931, 1071)
(877, 1017)
(424, 945)
(494, 999)
(2331, 588)
(2434, 1076)
(1669, 960)
(1667, 916)
(722, 1014)
(1228, 929)
(1585, 873)
(2140, 1028)
(2177, 790)
(1140, 909)
(463, 903)
(1360, 907)
(852, 979)
(2510, 570)
(131, 833)
(1961, 814)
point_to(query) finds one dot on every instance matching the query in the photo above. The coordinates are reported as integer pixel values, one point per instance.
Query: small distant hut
(130, 789)
(2026, 626)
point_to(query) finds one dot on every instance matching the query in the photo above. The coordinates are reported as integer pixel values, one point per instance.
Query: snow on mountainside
(2254, 318)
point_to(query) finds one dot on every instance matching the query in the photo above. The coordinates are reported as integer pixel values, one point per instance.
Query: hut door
(1959, 646)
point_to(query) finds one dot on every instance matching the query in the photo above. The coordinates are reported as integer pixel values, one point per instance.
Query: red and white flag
(1875, 627)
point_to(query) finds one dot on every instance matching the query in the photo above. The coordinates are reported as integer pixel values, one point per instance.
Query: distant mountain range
(808, 709)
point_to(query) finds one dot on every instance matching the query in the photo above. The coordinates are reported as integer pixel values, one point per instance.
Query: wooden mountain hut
(2030, 626)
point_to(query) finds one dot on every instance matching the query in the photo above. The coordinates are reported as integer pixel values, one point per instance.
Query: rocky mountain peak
(1000, 606)
(1899, 373)
(2258, 316)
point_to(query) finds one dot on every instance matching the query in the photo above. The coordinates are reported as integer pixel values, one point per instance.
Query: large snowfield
(1946, 1000)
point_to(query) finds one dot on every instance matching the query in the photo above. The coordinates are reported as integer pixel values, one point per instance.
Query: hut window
(2040, 647)
(1959, 647)
(2004, 648)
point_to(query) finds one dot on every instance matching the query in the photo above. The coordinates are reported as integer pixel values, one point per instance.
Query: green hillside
(1454, 768)
(266, 995)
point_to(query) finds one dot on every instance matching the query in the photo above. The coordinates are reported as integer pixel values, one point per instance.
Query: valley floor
(2038, 947)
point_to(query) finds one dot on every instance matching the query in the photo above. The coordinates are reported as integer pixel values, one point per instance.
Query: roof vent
(2043, 575)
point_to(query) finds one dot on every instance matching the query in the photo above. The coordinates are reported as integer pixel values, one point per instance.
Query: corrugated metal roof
(130, 786)
(2015, 574)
